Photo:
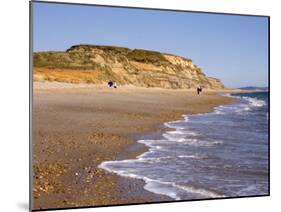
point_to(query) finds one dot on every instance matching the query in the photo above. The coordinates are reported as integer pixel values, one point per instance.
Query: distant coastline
(254, 88)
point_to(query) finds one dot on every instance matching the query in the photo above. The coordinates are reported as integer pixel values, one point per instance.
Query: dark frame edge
(30, 104)
(269, 90)
(150, 203)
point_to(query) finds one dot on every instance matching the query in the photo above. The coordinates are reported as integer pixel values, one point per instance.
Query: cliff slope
(99, 64)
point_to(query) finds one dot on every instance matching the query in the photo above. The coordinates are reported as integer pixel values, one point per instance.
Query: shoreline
(124, 170)
(106, 188)
(145, 148)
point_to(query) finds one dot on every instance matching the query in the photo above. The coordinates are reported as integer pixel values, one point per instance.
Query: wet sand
(76, 127)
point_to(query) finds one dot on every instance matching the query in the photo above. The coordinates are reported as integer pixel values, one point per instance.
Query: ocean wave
(223, 109)
(179, 135)
(254, 102)
(190, 141)
(192, 156)
(150, 184)
(242, 108)
(172, 125)
(219, 112)
(245, 106)
(161, 187)
(201, 191)
(186, 118)
(183, 132)
(171, 189)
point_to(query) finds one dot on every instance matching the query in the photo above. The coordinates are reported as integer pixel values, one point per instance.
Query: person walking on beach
(110, 84)
(114, 85)
(199, 90)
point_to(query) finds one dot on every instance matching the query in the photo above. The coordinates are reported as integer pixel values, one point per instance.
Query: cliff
(99, 64)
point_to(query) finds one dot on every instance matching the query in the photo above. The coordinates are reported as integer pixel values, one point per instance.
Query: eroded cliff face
(99, 64)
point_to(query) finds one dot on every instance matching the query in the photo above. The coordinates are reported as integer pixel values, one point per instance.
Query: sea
(219, 154)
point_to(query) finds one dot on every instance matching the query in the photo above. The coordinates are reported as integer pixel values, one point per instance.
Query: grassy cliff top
(81, 56)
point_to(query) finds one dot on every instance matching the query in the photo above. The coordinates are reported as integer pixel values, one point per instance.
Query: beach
(78, 126)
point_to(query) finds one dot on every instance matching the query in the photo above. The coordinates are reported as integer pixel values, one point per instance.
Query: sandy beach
(77, 126)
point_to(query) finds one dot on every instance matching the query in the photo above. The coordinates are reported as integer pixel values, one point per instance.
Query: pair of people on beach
(112, 84)
(199, 90)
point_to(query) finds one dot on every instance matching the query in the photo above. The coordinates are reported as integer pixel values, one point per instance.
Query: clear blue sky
(231, 48)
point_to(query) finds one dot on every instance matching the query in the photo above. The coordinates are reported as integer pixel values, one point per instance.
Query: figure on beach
(114, 85)
(110, 84)
(199, 90)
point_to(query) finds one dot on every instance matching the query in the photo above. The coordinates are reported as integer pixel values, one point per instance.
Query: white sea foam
(174, 137)
(152, 143)
(151, 185)
(171, 189)
(220, 109)
(160, 187)
(240, 108)
(201, 191)
(243, 108)
(186, 118)
(179, 138)
(177, 132)
(191, 156)
(172, 124)
(252, 101)
(256, 102)
(219, 112)
(182, 132)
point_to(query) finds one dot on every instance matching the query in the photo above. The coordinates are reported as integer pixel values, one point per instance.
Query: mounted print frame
(143, 105)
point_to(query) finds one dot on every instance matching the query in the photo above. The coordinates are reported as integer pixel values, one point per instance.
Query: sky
(229, 47)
